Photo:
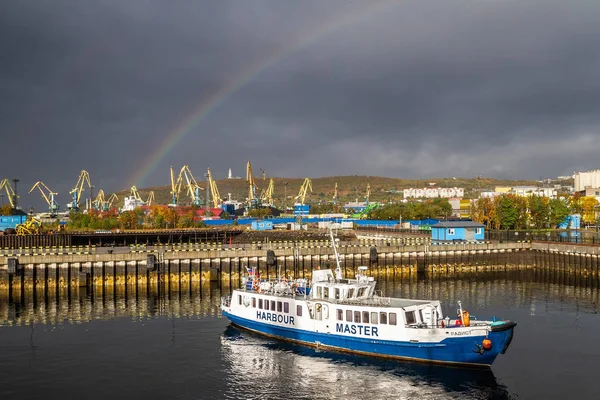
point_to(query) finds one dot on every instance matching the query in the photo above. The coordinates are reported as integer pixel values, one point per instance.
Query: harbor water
(148, 343)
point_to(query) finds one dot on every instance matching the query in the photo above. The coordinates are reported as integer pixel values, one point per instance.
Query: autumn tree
(589, 209)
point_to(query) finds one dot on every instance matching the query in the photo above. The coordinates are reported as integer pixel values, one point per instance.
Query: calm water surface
(175, 345)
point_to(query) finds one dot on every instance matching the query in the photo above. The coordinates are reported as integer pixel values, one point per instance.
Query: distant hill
(350, 188)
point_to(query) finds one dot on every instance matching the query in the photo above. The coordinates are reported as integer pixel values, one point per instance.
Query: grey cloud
(410, 89)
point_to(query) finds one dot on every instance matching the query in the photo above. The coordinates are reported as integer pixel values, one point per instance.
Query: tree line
(510, 211)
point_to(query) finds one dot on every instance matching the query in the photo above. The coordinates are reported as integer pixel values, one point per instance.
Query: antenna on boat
(338, 268)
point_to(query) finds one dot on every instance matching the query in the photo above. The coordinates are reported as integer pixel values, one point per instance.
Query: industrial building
(589, 179)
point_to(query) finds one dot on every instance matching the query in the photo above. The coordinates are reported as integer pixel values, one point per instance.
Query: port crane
(214, 190)
(264, 174)
(84, 178)
(135, 194)
(252, 200)
(368, 194)
(150, 198)
(192, 186)
(10, 193)
(306, 186)
(98, 202)
(175, 187)
(266, 195)
(335, 194)
(108, 204)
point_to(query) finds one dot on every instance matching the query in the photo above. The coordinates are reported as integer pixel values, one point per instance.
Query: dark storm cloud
(408, 89)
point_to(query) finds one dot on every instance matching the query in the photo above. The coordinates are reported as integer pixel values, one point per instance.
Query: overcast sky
(409, 89)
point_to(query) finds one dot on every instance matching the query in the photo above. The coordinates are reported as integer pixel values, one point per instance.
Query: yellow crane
(98, 203)
(306, 186)
(84, 178)
(266, 196)
(135, 194)
(10, 193)
(108, 204)
(335, 194)
(214, 190)
(150, 198)
(192, 186)
(252, 200)
(175, 187)
(368, 193)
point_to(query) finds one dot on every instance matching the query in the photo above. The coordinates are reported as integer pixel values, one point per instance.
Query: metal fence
(574, 236)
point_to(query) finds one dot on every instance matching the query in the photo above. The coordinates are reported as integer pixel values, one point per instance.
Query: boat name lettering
(464, 333)
(357, 329)
(272, 317)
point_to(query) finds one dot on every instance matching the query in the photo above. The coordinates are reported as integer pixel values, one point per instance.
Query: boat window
(350, 293)
(365, 317)
(319, 292)
(254, 302)
(392, 318)
(299, 310)
(361, 292)
(374, 318)
(337, 293)
(260, 303)
(383, 318)
(266, 304)
(325, 311)
(421, 315)
(340, 315)
(348, 315)
(410, 317)
(272, 305)
(357, 316)
(286, 307)
(325, 292)
(279, 306)
(239, 299)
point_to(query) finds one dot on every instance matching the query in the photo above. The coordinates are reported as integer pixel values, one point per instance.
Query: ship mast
(338, 268)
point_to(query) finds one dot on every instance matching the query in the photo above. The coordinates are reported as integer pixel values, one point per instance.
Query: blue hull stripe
(455, 350)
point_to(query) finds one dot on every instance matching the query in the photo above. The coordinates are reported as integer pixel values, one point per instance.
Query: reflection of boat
(348, 315)
(261, 366)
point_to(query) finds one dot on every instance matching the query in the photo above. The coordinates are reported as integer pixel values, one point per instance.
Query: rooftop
(458, 224)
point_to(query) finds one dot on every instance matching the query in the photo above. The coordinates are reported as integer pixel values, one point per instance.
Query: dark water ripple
(175, 345)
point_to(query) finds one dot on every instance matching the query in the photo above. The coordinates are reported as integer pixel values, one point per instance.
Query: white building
(587, 179)
(131, 203)
(433, 192)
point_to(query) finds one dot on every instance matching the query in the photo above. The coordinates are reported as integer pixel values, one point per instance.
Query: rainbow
(185, 126)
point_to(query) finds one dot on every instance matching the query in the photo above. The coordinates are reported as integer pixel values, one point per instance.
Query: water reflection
(267, 368)
(530, 289)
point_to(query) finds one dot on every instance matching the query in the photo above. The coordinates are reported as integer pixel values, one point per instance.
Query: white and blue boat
(349, 315)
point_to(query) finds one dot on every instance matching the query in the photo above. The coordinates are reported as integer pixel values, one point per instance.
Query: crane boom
(306, 186)
(10, 193)
(150, 198)
(135, 194)
(176, 186)
(84, 178)
(252, 200)
(214, 190)
(109, 202)
(193, 187)
(266, 196)
(98, 203)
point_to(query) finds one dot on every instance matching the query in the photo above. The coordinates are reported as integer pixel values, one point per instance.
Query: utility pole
(285, 196)
(15, 197)
(1, 199)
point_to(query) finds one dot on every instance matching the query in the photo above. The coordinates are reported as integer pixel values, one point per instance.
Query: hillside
(350, 188)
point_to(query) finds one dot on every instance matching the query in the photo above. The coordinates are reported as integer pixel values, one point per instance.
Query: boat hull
(459, 351)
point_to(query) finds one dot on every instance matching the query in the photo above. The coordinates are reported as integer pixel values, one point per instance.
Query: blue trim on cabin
(455, 350)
